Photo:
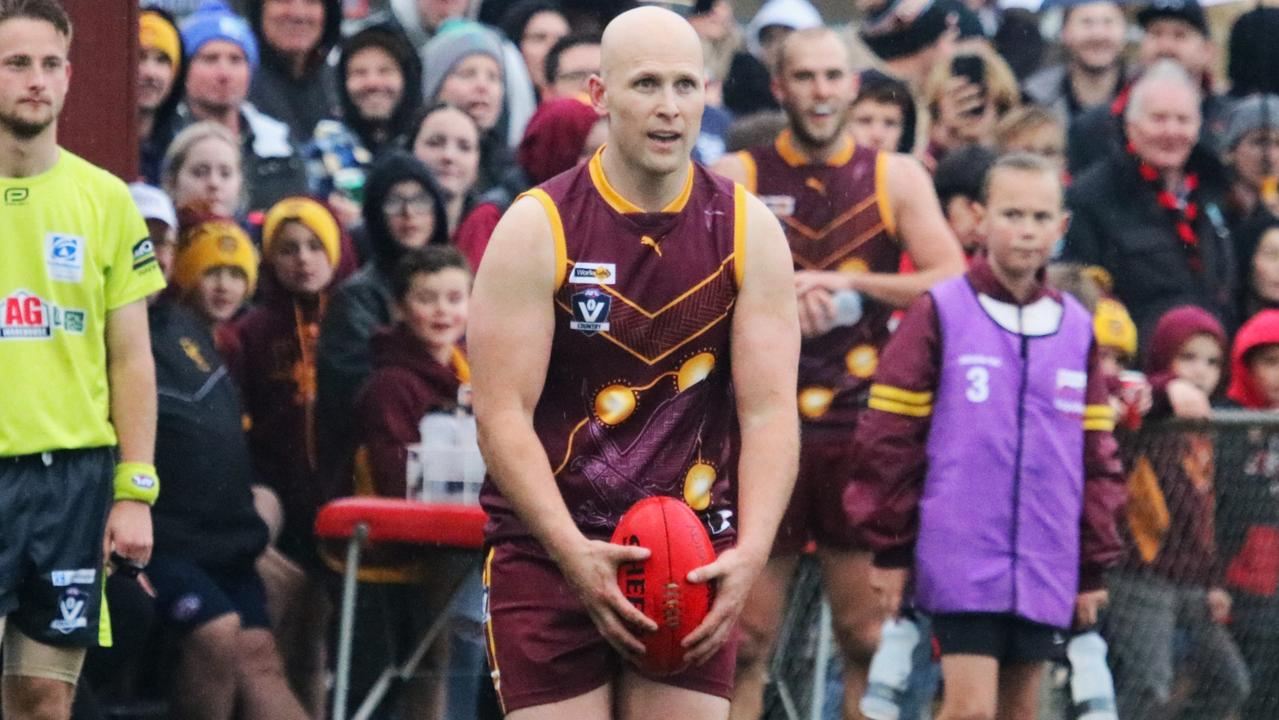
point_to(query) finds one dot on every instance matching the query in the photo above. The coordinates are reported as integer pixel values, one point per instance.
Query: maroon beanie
(554, 138)
(1174, 328)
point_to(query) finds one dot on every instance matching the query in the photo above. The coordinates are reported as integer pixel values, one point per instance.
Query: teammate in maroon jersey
(848, 212)
(634, 333)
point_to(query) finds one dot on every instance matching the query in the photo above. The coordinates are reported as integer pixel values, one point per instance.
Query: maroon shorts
(816, 510)
(543, 647)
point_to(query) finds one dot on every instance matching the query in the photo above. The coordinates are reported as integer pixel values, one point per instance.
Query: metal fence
(1193, 624)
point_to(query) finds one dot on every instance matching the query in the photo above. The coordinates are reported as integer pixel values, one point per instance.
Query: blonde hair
(1024, 119)
(180, 148)
(1001, 85)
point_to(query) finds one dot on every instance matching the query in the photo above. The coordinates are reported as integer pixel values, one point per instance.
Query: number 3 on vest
(978, 385)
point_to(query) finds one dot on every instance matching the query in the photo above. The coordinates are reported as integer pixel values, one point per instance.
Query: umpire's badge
(590, 311)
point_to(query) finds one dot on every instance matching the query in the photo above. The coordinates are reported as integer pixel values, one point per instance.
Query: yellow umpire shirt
(73, 247)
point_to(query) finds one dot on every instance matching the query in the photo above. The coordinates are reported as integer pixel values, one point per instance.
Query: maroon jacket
(1182, 462)
(891, 449)
(406, 384)
(271, 354)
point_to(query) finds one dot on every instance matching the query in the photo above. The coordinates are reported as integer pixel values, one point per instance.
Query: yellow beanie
(158, 33)
(310, 213)
(211, 244)
(1114, 327)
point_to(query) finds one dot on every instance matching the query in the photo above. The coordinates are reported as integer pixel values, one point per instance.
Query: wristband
(136, 481)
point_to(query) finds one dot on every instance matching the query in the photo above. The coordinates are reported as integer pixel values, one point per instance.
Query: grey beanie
(1252, 113)
(455, 41)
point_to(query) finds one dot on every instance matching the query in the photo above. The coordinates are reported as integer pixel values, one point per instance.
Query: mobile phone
(972, 69)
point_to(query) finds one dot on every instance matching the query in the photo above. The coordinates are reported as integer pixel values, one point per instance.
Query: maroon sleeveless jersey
(638, 399)
(836, 217)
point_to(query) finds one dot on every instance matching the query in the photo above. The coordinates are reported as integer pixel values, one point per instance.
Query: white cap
(153, 203)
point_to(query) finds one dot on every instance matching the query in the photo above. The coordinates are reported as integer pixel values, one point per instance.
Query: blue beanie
(213, 20)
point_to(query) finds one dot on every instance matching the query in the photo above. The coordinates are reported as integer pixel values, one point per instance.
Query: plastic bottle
(889, 670)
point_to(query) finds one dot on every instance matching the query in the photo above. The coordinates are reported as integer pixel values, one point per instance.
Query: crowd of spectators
(321, 177)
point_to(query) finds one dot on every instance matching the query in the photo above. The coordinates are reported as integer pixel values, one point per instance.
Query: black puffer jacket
(1117, 223)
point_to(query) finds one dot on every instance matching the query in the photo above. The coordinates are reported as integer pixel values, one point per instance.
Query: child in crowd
(1168, 588)
(1257, 251)
(882, 115)
(418, 368)
(1009, 532)
(1034, 130)
(216, 270)
(958, 181)
(1248, 510)
(271, 354)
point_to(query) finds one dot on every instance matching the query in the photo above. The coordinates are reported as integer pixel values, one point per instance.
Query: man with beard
(160, 84)
(1092, 34)
(76, 472)
(848, 212)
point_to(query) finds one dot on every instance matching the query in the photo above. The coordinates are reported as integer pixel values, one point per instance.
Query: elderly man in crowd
(1150, 215)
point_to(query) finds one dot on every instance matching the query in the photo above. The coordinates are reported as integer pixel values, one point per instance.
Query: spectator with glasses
(571, 61)
(403, 209)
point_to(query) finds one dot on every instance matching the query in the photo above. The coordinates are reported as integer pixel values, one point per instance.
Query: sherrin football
(659, 586)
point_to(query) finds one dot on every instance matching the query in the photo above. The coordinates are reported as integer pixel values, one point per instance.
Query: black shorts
(1005, 637)
(53, 515)
(188, 595)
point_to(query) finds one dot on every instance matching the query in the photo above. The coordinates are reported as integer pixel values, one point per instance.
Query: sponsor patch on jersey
(26, 316)
(781, 205)
(65, 578)
(589, 273)
(16, 196)
(590, 311)
(143, 253)
(64, 257)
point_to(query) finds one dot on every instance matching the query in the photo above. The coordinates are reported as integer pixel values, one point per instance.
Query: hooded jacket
(1249, 495)
(300, 102)
(271, 352)
(359, 307)
(396, 130)
(1171, 512)
(406, 384)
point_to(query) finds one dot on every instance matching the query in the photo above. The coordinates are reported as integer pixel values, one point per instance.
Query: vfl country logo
(587, 273)
(590, 311)
(64, 257)
(26, 316)
(16, 196)
(71, 607)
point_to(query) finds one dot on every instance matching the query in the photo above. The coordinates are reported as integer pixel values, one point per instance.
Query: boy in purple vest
(986, 462)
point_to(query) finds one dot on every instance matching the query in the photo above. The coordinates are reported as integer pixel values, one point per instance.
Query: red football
(659, 586)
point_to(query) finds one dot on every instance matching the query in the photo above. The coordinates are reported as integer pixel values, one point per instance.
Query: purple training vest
(999, 519)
